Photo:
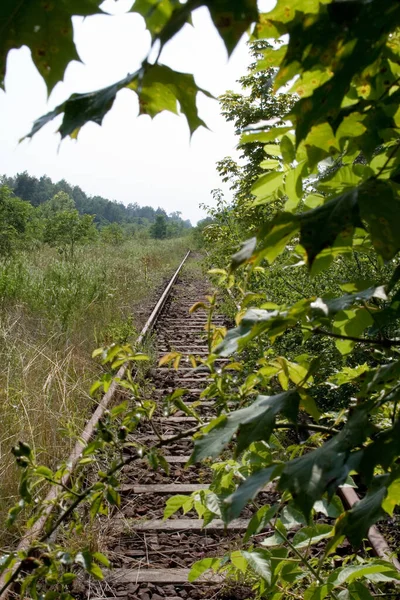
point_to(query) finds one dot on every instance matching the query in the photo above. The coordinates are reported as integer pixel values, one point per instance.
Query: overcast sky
(129, 158)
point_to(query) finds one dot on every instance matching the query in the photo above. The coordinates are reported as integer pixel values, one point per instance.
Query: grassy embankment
(53, 313)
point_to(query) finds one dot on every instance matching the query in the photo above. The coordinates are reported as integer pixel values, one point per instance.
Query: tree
(113, 234)
(159, 228)
(60, 202)
(67, 228)
(14, 218)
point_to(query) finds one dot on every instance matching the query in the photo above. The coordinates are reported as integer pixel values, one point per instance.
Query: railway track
(151, 557)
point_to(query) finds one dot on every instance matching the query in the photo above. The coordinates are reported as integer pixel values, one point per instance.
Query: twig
(384, 343)
(85, 493)
(311, 427)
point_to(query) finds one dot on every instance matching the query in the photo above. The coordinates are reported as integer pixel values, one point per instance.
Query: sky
(129, 158)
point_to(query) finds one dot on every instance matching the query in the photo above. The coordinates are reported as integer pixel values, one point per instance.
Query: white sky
(128, 159)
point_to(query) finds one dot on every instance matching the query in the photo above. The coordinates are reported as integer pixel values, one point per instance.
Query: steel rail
(87, 433)
(349, 496)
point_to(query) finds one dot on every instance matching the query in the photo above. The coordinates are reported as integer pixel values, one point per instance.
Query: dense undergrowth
(53, 313)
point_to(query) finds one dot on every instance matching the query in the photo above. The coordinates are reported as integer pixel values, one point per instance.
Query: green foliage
(66, 229)
(113, 234)
(159, 228)
(134, 219)
(158, 87)
(14, 221)
(60, 202)
(315, 208)
(315, 285)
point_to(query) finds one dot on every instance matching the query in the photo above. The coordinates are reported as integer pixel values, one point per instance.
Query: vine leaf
(351, 573)
(350, 323)
(323, 470)
(380, 208)
(248, 490)
(364, 513)
(159, 88)
(46, 28)
(320, 227)
(232, 19)
(245, 252)
(157, 15)
(162, 88)
(255, 422)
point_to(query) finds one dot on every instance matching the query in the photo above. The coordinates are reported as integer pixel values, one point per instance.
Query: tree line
(36, 210)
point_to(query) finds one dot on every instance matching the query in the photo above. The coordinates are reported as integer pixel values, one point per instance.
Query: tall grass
(53, 313)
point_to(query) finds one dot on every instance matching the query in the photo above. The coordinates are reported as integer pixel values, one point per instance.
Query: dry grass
(52, 315)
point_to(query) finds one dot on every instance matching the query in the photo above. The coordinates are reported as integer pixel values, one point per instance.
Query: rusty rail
(87, 433)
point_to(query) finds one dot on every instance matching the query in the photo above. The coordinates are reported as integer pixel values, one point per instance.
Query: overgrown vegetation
(113, 219)
(53, 311)
(317, 292)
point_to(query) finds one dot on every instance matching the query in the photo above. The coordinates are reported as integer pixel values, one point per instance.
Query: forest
(303, 254)
(113, 220)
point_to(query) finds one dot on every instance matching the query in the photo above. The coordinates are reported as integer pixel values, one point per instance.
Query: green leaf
(256, 423)
(102, 559)
(245, 252)
(332, 509)
(273, 150)
(287, 149)
(322, 136)
(291, 517)
(350, 323)
(139, 356)
(308, 404)
(45, 471)
(159, 88)
(156, 14)
(333, 306)
(67, 578)
(276, 235)
(238, 560)
(265, 136)
(46, 28)
(259, 521)
(162, 88)
(351, 126)
(272, 58)
(201, 566)
(232, 19)
(257, 321)
(380, 208)
(13, 514)
(320, 227)
(270, 163)
(248, 490)
(259, 561)
(393, 497)
(293, 187)
(323, 470)
(353, 572)
(113, 496)
(266, 185)
(364, 513)
(177, 502)
(82, 108)
(312, 535)
(96, 571)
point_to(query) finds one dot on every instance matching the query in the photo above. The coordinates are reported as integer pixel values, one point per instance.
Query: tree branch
(384, 343)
